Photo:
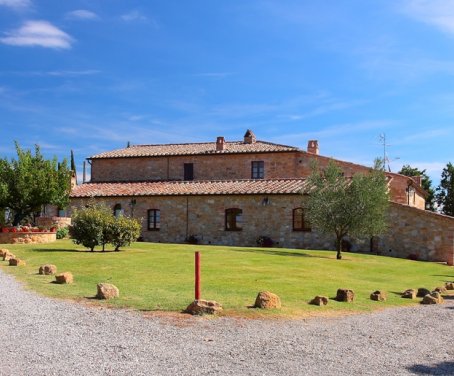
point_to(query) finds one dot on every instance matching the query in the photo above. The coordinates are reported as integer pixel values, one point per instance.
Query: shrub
(89, 226)
(192, 239)
(95, 225)
(122, 231)
(264, 241)
(62, 232)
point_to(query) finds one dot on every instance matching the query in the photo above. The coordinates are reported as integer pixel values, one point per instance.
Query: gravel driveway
(42, 336)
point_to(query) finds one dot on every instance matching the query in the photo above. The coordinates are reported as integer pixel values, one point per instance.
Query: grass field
(160, 277)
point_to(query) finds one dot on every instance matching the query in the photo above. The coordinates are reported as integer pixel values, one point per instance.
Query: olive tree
(343, 206)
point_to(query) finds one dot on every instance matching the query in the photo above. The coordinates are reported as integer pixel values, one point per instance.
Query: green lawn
(160, 276)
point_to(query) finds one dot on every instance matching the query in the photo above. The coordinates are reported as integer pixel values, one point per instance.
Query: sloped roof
(206, 148)
(189, 188)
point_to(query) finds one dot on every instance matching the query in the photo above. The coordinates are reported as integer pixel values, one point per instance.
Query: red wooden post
(197, 276)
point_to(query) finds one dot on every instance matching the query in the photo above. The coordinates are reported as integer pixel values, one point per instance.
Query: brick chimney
(249, 137)
(312, 147)
(418, 180)
(220, 144)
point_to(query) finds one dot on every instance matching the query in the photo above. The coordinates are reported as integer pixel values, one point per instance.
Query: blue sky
(92, 75)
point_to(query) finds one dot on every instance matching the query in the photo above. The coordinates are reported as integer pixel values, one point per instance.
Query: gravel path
(41, 336)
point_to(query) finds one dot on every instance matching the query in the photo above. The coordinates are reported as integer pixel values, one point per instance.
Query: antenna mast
(385, 155)
(383, 142)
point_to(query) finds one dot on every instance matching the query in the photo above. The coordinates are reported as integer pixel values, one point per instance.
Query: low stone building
(248, 192)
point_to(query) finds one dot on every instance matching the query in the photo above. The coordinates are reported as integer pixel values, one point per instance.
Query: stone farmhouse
(233, 192)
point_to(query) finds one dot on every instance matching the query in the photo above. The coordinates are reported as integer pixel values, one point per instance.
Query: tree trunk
(17, 218)
(339, 247)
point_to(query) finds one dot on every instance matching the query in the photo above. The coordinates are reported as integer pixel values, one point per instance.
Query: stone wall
(204, 217)
(53, 221)
(209, 167)
(412, 232)
(27, 237)
(417, 233)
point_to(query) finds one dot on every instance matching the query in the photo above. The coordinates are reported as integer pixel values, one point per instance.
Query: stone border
(27, 237)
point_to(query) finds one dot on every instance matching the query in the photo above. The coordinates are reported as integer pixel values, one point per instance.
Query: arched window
(299, 224)
(118, 211)
(233, 219)
(154, 219)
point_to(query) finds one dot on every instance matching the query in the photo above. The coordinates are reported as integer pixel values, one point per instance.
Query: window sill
(154, 229)
(233, 229)
(302, 230)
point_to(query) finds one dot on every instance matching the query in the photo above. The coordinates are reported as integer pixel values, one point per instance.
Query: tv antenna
(386, 160)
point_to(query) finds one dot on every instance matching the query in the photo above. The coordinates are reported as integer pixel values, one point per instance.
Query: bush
(62, 232)
(122, 231)
(264, 241)
(89, 226)
(96, 225)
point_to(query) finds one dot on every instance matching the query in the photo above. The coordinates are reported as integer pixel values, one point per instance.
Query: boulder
(378, 296)
(107, 291)
(16, 262)
(432, 298)
(267, 300)
(204, 307)
(441, 289)
(63, 278)
(3, 251)
(409, 294)
(345, 295)
(449, 285)
(47, 269)
(319, 300)
(8, 256)
(422, 292)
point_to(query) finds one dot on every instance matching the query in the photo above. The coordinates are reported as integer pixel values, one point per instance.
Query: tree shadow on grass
(274, 252)
(443, 368)
(71, 250)
(443, 275)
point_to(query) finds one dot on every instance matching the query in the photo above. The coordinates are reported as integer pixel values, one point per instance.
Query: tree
(426, 184)
(347, 206)
(123, 231)
(30, 182)
(445, 191)
(89, 226)
(95, 225)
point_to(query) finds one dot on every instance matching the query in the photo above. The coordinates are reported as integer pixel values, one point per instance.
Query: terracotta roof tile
(234, 147)
(190, 188)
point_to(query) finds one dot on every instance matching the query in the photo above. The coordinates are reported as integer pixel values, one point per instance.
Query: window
(299, 224)
(154, 219)
(118, 211)
(257, 170)
(233, 219)
(188, 171)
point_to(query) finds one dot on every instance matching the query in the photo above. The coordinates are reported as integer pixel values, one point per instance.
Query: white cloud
(16, 4)
(81, 14)
(133, 15)
(438, 13)
(38, 33)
